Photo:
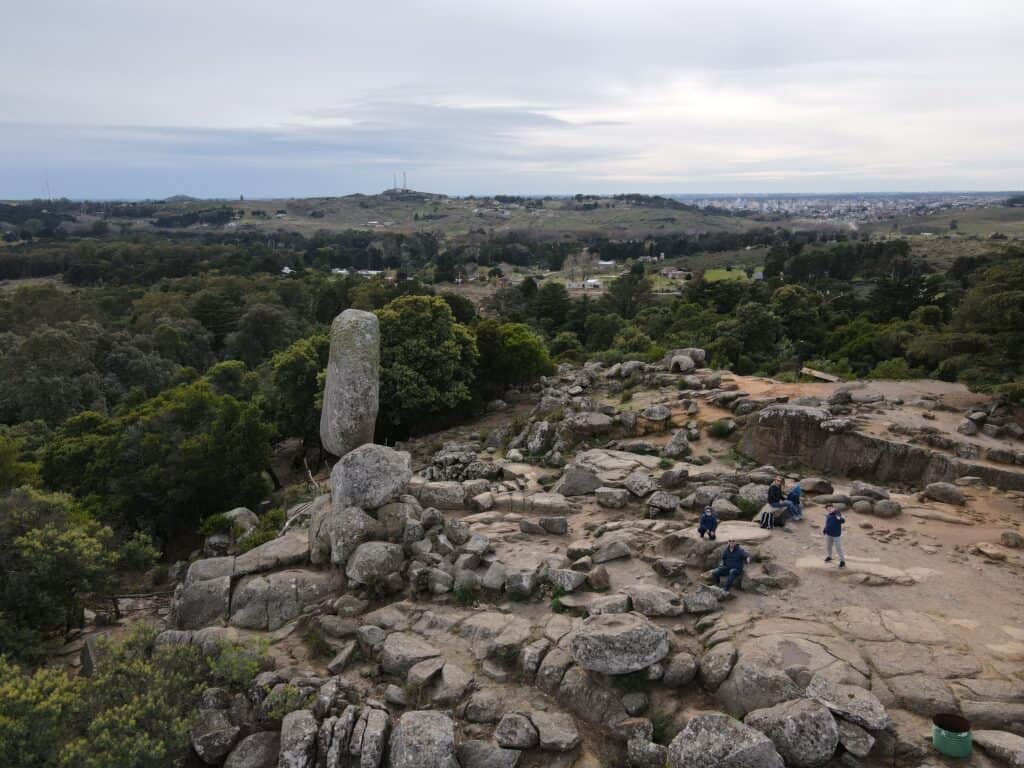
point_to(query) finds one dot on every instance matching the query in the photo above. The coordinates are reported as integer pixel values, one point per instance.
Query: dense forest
(141, 394)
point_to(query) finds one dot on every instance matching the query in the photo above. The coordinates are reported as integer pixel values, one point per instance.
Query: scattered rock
(423, 739)
(617, 644)
(803, 731)
(298, 740)
(556, 732)
(516, 731)
(714, 740)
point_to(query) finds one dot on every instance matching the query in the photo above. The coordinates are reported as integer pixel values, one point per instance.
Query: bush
(139, 552)
(267, 530)
(896, 368)
(215, 524)
(720, 429)
(135, 710)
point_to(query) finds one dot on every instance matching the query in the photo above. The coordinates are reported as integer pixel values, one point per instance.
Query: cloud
(115, 98)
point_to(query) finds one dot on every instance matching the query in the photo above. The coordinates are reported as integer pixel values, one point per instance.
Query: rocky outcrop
(803, 731)
(714, 740)
(369, 477)
(423, 739)
(351, 387)
(619, 643)
(794, 434)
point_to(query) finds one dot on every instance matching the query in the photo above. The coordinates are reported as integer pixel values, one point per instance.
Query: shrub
(215, 524)
(895, 368)
(317, 644)
(267, 530)
(720, 429)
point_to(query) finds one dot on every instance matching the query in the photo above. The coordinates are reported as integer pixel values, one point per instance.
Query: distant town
(848, 207)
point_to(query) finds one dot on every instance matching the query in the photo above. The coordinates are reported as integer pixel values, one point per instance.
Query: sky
(216, 98)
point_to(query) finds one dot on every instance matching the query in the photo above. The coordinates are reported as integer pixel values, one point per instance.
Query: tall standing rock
(351, 389)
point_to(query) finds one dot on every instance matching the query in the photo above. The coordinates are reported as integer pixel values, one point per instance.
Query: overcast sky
(135, 98)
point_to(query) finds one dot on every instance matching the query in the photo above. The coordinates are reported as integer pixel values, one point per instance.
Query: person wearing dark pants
(734, 557)
(708, 524)
(783, 507)
(833, 530)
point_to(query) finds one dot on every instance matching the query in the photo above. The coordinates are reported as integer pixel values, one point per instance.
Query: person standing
(734, 557)
(833, 531)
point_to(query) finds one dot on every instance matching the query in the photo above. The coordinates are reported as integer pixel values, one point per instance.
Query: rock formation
(351, 389)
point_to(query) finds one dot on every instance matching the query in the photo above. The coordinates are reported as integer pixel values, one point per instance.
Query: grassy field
(979, 222)
(716, 275)
(416, 212)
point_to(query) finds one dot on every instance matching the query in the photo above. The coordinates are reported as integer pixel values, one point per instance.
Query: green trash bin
(951, 735)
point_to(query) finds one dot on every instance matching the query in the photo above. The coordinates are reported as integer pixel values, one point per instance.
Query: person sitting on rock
(708, 523)
(833, 530)
(783, 507)
(734, 557)
(795, 496)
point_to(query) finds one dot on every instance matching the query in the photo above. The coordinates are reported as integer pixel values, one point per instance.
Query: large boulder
(803, 731)
(202, 603)
(678, 447)
(298, 740)
(556, 731)
(335, 534)
(213, 735)
(754, 685)
(946, 493)
(284, 551)
(1005, 747)
(374, 561)
(423, 739)
(402, 651)
(618, 643)
(587, 695)
(475, 753)
(655, 601)
(269, 601)
(578, 481)
(849, 702)
(369, 476)
(714, 740)
(260, 750)
(443, 494)
(351, 394)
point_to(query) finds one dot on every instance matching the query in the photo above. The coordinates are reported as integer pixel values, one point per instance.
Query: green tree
(799, 310)
(551, 306)
(294, 387)
(510, 354)
(167, 463)
(628, 294)
(263, 329)
(51, 555)
(462, 308)
(427, 361)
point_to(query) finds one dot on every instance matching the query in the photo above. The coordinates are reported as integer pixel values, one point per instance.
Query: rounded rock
(619, 643)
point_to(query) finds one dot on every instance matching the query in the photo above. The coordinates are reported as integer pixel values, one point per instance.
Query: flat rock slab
(935, 515)
(535, 503)
(870, 568)
(613, 467)
(734, 530)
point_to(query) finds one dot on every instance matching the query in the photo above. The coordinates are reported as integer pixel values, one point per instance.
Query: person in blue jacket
(795, 497)
(833, 530)
(708, 524)
(783, 508)
(734, 557)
